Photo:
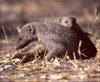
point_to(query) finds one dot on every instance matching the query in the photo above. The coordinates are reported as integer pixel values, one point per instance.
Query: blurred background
(16, 13)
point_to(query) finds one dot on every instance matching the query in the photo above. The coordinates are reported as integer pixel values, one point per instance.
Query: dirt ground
(39, 70)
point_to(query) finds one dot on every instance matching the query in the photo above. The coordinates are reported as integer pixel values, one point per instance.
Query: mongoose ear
(31, 29)
(74, 20)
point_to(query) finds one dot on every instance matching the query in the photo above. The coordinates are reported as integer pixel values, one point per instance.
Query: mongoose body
(87, 48)
(58, 39)
(55, 37)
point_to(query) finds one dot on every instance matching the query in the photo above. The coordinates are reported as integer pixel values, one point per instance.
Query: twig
(5, 35)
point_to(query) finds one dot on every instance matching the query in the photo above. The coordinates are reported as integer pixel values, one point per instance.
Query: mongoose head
(70, 22)
(67, 21)
(26, 35)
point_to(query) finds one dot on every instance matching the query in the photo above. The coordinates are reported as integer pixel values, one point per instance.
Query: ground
(41, 71)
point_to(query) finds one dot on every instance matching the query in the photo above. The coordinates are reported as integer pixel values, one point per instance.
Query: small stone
(43, 76)
(55, 76)
(9, 67)
(21, 75)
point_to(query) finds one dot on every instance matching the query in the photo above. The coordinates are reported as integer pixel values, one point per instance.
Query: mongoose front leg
(56, 52)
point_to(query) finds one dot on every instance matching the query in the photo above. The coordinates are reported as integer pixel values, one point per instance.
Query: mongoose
(87, 48)
(58, 38)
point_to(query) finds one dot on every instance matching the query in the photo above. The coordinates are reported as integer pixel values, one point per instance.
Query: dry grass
(59, 69)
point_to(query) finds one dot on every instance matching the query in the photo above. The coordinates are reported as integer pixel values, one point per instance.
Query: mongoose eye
(66, 21)
(29, 28)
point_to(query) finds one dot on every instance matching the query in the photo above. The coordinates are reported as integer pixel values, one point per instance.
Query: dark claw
(27, 58)
(18, 55)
